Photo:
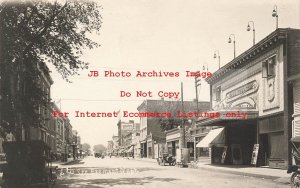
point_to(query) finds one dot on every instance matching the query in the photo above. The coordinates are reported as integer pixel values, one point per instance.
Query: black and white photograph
(149, 93)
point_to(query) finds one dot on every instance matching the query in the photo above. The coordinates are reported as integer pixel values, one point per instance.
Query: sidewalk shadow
(110, 182)
(229, 166)
(147, 169)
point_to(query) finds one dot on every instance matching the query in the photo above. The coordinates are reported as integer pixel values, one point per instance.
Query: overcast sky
(166, 35)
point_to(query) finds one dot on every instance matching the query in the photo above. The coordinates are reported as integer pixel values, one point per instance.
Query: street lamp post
(230, 40)
(215, 56)
(253, 29)
(275, 14)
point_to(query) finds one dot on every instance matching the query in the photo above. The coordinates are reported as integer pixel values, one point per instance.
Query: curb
(73, 161)
(146, 160)
(237, 173)
(222, 170)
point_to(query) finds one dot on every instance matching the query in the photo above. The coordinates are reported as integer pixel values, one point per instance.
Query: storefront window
(149, 152)
(203, 152)
(190, 145)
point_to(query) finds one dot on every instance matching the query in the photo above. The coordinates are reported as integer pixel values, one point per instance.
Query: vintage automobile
(166, 158)
(295, 169)
(28, 165)
(98, 155)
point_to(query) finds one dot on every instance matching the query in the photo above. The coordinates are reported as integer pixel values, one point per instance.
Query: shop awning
(214, 136)
(143, 141)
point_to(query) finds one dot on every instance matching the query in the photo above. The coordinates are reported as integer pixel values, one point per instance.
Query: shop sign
(243, 90)
(173, 136)
(127, 126)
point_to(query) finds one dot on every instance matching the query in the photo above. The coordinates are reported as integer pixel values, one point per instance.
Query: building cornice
(273, 39)
(172, 131)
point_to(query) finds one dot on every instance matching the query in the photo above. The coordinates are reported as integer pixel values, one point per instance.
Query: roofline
(251, 53)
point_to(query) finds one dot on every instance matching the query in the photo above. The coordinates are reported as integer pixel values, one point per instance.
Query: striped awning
(130, 149)
(212, 136)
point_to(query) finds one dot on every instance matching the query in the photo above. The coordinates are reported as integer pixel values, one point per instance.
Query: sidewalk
(146, 159)
(258, 172)
(68, 162)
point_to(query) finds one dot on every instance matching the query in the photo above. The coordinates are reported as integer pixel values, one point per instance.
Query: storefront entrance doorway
(173, 148)
(237, 157)
(144, 150)
(240, 139)
(264, 150)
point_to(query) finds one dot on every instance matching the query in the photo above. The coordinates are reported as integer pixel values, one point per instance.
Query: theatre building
(261, 84)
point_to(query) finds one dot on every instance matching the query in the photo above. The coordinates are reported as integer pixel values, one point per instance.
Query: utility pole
(197, 83)
(1, 107)
(1, 79)
(182, 120)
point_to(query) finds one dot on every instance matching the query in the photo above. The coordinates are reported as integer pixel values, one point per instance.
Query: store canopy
(130, 149)
(214, 136)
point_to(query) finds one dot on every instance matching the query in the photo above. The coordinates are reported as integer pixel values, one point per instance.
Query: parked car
(166, 159)
(98, 155)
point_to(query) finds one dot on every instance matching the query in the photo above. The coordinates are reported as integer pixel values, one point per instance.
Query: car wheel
(295, 180)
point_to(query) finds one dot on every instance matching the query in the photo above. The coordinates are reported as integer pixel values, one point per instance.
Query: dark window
(268, 67)
(218, 93)
(271, 66)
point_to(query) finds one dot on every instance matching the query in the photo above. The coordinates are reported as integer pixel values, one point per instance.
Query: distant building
(115, 140)
(59, 125)
(124, 128)
(150, 130)
(136, 143)
(69, 138)
(110, 147)
(45, 131)
(127, 140)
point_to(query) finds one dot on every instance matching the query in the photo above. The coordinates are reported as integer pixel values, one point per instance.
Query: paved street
(122, 172)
